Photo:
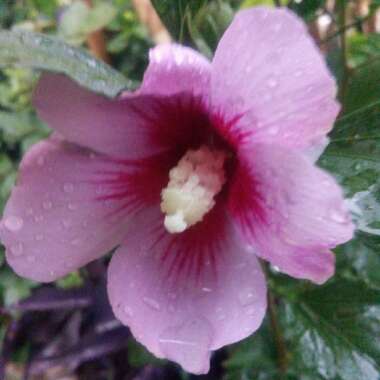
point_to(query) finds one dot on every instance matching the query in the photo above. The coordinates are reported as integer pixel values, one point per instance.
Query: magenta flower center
(193, 184)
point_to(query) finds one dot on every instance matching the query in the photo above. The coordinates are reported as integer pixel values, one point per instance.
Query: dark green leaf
(197, 22)
(254, 358)
(43, 52)
(174, 13)
(353, 156)
(334, 332)
(360, 259)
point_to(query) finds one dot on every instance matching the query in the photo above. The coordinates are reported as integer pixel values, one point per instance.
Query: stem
(282, 356)
(345, 28)
(343, 45)
(97, 43)
(150, 19)
(277, 3)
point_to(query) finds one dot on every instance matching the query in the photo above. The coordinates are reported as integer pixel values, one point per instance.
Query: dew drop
(13, 223)
(47, 205)
(273, 131)
(128, 311)
(72, 206)
(272, 83)
(152, 303)
(65, 223)
(171, 308)
(38, 218)
(246, 297)
(250, 310)
(338, 216)
(188, 343)
(75, 241)
(39, 237)
(220, 316)
(68, 187)
(41, 161)
(17, 249)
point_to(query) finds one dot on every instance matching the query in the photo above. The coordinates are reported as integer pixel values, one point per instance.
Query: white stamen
(193, 184)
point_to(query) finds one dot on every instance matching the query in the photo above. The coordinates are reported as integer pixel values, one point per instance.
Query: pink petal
(185, 295)
(133, 127)
(173, 69)
(69, 207)
(290, 211)
(268, 71)
(120, 127)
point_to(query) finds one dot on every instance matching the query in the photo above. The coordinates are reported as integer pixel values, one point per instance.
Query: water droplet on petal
(17, 249)
(39, 237)
(47, 205)
(171, 308)
(72, 206)
(246, 297)
(38, 218)
(220, 316)
(338, 216)
(66, 224)
(188, 344)
(128, 311)
(251, 310)
(272, 83)
(273, 130)
(41, 161)
(31, 259)
(13, 223)
(75, 241)
(68, 187)
(152, 303)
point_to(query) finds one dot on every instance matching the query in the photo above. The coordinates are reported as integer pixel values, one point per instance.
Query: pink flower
(205, 167)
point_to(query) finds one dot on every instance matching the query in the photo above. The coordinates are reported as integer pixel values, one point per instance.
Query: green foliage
(200, 23)
(353, 156)
(254, 358)
(72, 280)
(333, 332)
(138, 356)
(43, 52)
(78, 21)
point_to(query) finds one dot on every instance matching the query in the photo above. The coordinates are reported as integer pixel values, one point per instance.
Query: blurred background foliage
(67, 331)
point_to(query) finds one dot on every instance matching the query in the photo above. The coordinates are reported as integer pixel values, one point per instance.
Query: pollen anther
(193, 184)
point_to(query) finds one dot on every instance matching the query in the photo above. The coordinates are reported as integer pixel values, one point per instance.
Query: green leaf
(360, 259)
(333, 332)
(200, 23)
(14, 288)
(78, 21)
(40, 51)
(174, 13)
(353, 156)
(139, 356)
(253, 358)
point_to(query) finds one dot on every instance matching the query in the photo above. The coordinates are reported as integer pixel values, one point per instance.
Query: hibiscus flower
(203, 169)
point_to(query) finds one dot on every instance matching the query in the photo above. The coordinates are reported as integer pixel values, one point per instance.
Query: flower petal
(268, 71)
(118, 127)
(132, 127)
(187, 294)
(69, 207)
(290, 211)
(173, 69)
